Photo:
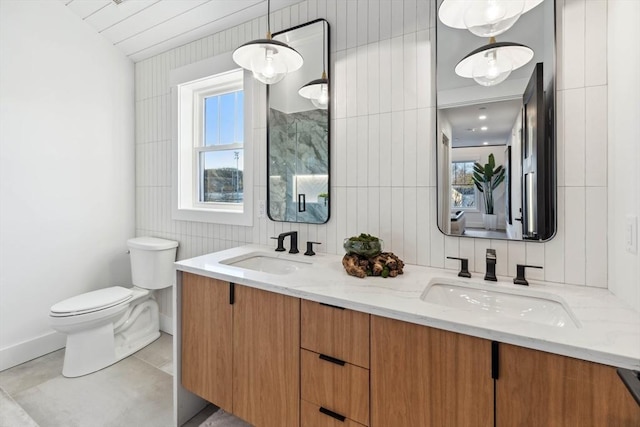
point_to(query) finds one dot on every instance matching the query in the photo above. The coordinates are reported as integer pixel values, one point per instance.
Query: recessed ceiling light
(485, 143)
(484, 128)
(482, 117)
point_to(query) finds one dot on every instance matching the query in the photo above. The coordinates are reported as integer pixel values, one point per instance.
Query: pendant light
(318, 90)
(491, 64)
(269, 60)
(484, 18)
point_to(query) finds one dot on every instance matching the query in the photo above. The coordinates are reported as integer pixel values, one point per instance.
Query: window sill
(217, 216)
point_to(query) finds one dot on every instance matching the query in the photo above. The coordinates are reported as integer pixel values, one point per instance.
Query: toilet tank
(152, 262)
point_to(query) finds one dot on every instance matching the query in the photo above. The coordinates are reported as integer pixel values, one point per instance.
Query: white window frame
(189, 86)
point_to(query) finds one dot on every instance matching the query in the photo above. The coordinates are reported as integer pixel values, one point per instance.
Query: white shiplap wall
(382, 142)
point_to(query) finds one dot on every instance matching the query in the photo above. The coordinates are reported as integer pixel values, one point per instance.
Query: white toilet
(107, 325)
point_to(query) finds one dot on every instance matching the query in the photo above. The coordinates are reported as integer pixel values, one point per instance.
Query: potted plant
(324, 196)
(487, 179)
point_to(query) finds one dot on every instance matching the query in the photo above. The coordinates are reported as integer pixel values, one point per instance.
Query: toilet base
(90, 350)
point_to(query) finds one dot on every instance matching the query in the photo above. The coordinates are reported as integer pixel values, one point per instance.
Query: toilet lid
(92, 301)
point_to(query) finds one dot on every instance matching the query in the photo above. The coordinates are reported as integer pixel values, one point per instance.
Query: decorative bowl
(363, 248)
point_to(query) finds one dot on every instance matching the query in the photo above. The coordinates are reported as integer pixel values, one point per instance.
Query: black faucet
(294, 242)
(491, 266)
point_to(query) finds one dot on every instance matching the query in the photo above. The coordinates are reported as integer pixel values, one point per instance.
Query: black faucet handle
(280, 247)
(520, 279)
(464, 266)
(309, 251)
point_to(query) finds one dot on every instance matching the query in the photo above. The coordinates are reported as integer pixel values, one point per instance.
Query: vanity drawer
(336, 332)
(340, 387)
(311, 416)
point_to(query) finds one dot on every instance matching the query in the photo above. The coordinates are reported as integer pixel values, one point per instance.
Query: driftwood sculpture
(385, 264)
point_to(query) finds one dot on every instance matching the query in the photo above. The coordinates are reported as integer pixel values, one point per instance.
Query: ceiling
(466, 126)
(144, 28)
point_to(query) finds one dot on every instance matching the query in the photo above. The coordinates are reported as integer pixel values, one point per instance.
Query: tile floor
(135, 392)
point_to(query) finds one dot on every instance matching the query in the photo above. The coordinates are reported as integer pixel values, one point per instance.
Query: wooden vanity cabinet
(535, 388)
(334, 366)
(422, 376)
(277, 361)
(266, 358)
(335, 331)
(240, 350)
(207, 332)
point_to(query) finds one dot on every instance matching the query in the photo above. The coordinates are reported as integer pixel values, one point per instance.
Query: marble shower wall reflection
(299, 166)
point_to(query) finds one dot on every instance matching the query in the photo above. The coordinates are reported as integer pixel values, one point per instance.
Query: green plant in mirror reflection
(487, 178)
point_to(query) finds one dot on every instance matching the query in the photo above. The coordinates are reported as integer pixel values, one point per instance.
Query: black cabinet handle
(232, 293)
(332, 414)
(631, 379)
(332, 306)
(495, 360)
(332, 359)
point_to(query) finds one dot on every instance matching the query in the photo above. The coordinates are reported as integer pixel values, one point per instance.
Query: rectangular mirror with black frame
(496, 151)
(298, 131)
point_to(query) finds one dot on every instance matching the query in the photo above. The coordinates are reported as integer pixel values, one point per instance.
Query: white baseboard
(28, 350)
(166, 324)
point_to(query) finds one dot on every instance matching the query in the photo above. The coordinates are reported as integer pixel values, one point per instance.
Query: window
(219, 149)
(212, 136)
(463, 190)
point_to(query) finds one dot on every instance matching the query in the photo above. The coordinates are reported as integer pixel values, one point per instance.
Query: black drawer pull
(332, 414)
(332, 306)
(332, 359)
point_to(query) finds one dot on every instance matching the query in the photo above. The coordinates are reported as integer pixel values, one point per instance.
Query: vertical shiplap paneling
(575, 225)
(574, 137)
(373, 21)
(382, 151)
(596, 237)
(573, 49)
(596, 136)
(596, 43)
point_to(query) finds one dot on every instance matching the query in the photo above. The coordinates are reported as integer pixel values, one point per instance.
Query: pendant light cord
(269, 19)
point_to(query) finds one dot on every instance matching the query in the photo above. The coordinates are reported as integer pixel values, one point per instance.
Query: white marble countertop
(608, 332)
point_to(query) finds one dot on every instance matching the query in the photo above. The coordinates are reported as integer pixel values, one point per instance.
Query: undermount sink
(522, 304)
(266, 263)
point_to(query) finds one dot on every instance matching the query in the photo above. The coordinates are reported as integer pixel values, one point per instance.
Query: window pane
(463, 191)
(239, 119)
(463, 196)
(227, 115)
(211, 121)
(224, 119)
(221, 176)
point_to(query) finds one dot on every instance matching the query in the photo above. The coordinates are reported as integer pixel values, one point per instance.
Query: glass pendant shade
(269, 60)
(491, 64)
(484, 18)
(492, 17)
(317, 91)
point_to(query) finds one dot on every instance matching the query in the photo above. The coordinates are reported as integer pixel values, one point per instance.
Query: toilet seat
(93, 301)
